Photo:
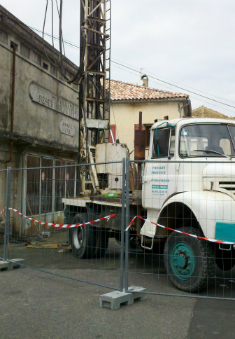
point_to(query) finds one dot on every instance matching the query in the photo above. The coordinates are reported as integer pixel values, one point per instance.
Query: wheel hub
(182, 261)
(77, 237)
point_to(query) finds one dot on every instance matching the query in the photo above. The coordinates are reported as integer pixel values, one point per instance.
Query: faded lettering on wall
(46, 98)
(67, 128)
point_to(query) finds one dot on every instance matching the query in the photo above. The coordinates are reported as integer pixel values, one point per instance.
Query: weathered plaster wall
(126, 115)
(38, 129)
(32, 119)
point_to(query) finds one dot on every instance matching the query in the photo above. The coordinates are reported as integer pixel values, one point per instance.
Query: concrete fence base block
(115, 299)
(46, 234)
(137, 292)
(10, 265)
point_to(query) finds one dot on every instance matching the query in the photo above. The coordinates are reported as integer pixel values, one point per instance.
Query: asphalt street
(35, 304)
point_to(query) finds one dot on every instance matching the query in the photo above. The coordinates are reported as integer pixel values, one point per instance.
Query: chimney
(145, 80)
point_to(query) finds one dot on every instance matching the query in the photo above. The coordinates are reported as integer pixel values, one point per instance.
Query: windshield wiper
(211, 151)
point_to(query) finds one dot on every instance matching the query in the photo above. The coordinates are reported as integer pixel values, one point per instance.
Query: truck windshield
(210, 140)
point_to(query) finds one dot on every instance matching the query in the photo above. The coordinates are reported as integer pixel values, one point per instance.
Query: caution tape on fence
(63, 225)
(108, 217)
(177, 231)
(2, 211)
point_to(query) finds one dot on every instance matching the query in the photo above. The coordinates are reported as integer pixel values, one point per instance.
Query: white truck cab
(189, 185)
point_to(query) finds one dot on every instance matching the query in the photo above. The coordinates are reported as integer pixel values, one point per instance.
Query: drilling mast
(94, 88)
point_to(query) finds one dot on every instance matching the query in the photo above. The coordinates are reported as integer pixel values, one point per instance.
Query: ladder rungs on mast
(95, 99)
(98, 73)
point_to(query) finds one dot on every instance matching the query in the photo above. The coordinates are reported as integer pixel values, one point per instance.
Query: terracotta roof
(204, 112)
(123, 91)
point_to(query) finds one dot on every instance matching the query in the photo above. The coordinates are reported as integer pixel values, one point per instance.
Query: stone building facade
(38, 121)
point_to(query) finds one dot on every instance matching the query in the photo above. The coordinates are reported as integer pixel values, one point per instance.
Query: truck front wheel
(83, 239)
(189, 261)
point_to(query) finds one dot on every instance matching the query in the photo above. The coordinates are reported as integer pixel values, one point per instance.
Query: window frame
(170, 128)
(203, 155)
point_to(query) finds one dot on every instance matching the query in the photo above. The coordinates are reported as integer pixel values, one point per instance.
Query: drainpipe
(12, 104)
(189, 108)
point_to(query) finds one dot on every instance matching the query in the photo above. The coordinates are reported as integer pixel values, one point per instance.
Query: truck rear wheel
(189, 261)
(83, 239)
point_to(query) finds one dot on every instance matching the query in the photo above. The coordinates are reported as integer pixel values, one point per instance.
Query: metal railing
(187, 231)
(174, 238)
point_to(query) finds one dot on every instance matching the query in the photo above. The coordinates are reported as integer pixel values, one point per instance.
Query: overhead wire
(56, 38)
(43, 30)
(150, 72)
(44, 21)
(60, 35)
(191, 96)
(198, 90)
(122, 65)
(61, 43)
(134, 71)
(52, 23)
(204, 101)
(184, 89)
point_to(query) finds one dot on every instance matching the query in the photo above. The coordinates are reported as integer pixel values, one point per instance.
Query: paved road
(39, 305)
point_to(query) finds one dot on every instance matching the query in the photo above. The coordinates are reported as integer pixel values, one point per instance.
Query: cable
(190, 95)
(127, 67)
(198, 90)
(61, 71)
(184, 89)
(60, 34)
(52, 23)
(44, 23)
(126, 64)
(136, 71)
(56, 38)
(204, 101)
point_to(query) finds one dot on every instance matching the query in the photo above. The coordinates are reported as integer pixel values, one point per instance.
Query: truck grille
(228, 185)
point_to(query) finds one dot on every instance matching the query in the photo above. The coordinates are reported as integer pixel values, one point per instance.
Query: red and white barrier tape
(63, 225)
(175, 230)
(111, 216)
(2, 211)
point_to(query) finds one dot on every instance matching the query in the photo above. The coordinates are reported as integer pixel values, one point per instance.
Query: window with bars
(46, 186)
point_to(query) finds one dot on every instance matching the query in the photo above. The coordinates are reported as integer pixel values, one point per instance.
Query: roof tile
(123, 91)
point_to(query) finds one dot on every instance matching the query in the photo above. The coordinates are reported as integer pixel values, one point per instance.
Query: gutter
(189, 109)
(12, 104)
(148, 101)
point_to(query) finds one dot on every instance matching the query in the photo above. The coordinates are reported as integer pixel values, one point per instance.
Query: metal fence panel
(3, 176)
(184, 243)
(91, 252)
(176, 232)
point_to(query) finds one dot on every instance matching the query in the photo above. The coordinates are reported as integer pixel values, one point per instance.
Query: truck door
(159, 179)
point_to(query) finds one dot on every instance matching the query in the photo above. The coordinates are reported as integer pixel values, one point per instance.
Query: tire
(225, 260)
(82, 238)
(189, 261)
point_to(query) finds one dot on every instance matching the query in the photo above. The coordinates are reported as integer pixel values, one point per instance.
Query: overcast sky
(184, 42)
